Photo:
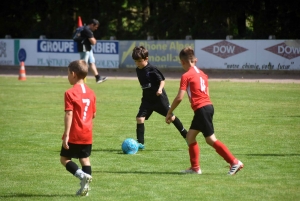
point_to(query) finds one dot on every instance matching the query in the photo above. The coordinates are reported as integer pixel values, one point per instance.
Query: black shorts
(203, 120)
(76, 151)
(161, 105)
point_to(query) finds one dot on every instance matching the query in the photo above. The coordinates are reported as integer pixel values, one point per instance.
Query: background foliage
(168, 19)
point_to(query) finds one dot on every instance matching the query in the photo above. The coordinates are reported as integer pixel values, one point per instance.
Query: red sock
(223, 151)
(194, 152)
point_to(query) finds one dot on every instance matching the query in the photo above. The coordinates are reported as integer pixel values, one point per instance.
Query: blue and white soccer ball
(130, 146)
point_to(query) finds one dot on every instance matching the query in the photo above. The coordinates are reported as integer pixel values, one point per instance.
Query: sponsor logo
(2, 49)
(106, 48)
(3, 55)
(284, 50)
(55, 46)
(224, 49)
(22, 54)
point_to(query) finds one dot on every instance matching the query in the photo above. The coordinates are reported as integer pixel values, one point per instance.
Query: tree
(168, 19)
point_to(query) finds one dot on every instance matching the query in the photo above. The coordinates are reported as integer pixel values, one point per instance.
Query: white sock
(79, 174)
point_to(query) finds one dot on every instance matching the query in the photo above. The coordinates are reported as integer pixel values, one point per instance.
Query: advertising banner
(162, 53)
(211, 54)
(248, 54)
(278, 55)
(56, 53)
(7, 52)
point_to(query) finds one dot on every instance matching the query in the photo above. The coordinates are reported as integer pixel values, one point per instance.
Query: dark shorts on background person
(203, 120)
(76, 151)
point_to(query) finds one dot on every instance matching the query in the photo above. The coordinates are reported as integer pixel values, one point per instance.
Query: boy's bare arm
(177, 100)
(161, 86)
(68, 123)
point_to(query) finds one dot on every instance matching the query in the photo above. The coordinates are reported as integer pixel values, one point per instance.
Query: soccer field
(259, 122)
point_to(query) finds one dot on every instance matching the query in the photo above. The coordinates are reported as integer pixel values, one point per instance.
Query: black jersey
(150, 78)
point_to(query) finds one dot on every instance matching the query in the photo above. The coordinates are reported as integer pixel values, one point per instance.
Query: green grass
(259, 122)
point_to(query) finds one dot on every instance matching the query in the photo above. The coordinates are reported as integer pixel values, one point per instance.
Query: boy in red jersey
(195, 83)
(80, 109)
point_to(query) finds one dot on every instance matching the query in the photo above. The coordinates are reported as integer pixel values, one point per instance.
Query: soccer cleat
(84, 185)
(141, 146)
(101, 79)
(235, 168)
(191, 171)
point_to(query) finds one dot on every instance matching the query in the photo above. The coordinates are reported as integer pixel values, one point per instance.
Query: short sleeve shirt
(150, 78)
(86, 33)
(195, 83)
(82, 101)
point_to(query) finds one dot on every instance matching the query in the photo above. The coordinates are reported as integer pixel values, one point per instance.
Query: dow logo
(288, 51)
(224, 49)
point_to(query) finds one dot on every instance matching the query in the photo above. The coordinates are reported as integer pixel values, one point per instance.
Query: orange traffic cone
(22, 74)
(79, 23)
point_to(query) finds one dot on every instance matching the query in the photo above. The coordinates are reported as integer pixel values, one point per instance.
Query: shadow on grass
(108, 150)
(29, 195)
(120, 151)
(297, 116)
(140, 172)
(276, 155)
(157, 173)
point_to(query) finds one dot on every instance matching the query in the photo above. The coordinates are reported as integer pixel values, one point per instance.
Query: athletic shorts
(161, 106)
(76, 151)
(203, 120)
(85, 56)
(91, 57)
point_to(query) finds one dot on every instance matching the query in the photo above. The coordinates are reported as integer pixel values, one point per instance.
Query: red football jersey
(195, 83)
(82, 101)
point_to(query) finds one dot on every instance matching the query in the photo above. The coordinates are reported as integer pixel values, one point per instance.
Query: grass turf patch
(259, 122)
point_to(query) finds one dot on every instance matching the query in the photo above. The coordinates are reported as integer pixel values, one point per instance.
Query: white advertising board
(248, 54)
(7, 52)
(211, 54)
(56, 53)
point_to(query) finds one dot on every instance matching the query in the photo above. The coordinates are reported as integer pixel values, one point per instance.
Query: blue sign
(69, 46)
(56, 46)
(22, 55)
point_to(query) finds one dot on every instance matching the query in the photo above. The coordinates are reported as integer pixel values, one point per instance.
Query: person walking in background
(84, 47)
(154, 96)
(80, 110)
(195, 83)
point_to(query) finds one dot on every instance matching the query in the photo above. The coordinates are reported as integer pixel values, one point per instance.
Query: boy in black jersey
(154, 96)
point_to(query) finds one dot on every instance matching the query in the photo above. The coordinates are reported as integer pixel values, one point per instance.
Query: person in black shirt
(84, 47)
(154, 97)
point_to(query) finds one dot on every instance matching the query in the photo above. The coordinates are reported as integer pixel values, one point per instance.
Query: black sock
(177, 123)
(97, 77)
(72, 167)
(87, 169)
(140, 131)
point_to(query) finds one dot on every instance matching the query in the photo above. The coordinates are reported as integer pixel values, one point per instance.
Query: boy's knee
(140, 120)
(64, 161)
(173, 118)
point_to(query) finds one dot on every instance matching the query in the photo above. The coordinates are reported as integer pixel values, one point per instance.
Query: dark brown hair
(94, 22)
(79, 67)
(139, 53)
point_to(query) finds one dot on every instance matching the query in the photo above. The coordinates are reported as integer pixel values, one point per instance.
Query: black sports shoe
(101, 79)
